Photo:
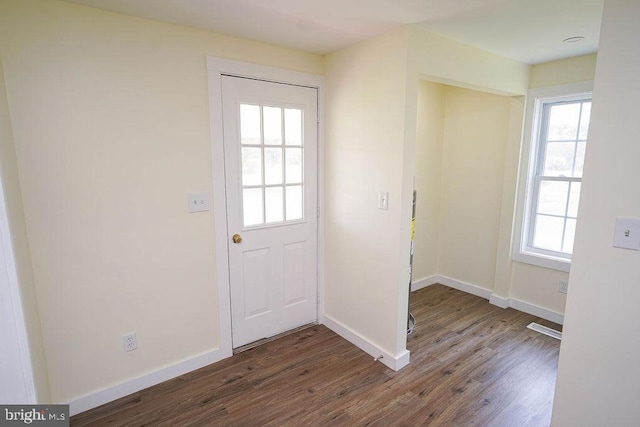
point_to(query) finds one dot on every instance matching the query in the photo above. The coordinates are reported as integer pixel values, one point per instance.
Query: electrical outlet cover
(564, 287)
(130, 342)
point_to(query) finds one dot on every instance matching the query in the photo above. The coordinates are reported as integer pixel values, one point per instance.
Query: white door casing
(270, 145)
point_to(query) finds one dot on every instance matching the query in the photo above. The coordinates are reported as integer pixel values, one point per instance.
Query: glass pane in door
(272, 160)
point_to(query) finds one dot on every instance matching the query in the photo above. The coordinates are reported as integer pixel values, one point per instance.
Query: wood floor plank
(471, 364)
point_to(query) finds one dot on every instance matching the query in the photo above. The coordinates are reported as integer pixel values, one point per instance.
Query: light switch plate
(627, 233)
(383, 200)
(198, 202)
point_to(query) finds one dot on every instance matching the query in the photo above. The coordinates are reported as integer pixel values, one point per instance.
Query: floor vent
(544, 330)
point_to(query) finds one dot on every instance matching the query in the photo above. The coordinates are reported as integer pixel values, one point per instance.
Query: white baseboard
(527, 307)
(424, 282)
(536, 310)
(494, 299)
(93, 400)
(499, 301)
(395, 362)
(465, 287)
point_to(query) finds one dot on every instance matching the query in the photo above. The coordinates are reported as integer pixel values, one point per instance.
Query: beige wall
(599, 375)
(366, 247)
(111, 129)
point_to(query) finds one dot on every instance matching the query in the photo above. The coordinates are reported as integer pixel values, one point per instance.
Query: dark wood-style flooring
(471, 364)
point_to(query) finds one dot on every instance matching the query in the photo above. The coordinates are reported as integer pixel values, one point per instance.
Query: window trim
(528, 154)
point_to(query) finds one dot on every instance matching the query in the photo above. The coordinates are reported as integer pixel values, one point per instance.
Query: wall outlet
(130, 341)
(564, 286)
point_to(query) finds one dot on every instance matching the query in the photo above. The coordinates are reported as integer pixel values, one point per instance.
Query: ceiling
(530, 31)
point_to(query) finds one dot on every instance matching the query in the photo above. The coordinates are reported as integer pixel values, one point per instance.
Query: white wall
(599, 374)
(111, 126)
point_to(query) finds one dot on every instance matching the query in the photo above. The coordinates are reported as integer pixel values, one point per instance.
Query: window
(553, 157)
(272, 166)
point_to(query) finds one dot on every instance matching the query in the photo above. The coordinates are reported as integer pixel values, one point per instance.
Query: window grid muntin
(284, 146)
(540, 162)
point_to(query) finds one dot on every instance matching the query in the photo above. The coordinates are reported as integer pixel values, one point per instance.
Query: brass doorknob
(237, 239)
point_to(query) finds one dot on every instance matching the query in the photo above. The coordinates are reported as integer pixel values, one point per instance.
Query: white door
(270, 145)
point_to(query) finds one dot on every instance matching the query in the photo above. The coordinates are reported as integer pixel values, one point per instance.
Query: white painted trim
(220, 210)
(536, 310)
(465, 287)
(493, 298)
(424, 282)
(499, 301)
(528, 155)
(527, 307)
(395, 362)
(216, 67)
(109, 394)
(255, 71)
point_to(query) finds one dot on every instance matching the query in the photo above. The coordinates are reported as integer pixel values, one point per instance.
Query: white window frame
(536, 98)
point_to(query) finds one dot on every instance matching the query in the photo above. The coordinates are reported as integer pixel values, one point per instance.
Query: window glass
(272, 149)
(556, 182)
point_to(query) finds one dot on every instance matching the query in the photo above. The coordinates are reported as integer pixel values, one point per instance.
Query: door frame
(216, 67)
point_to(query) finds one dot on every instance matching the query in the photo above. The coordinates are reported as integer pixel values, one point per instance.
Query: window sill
(552, 263)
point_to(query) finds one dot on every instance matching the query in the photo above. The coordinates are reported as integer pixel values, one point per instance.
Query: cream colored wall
(371, 128)
(111, 129)
(475, 140)
(538, 285)
(503, 266)
(428, 171)
(492, 267)
(367, 248)
(13, 198)
(447, 61)
(564, 71)
(441, 60)
(599, 375)
(463, 137)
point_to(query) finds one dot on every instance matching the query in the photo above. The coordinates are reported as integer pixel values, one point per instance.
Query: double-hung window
(554, 150)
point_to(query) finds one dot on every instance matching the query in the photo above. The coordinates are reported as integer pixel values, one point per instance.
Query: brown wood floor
(471, 364)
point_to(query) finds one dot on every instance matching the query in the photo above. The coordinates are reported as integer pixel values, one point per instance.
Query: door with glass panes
(270, 144)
